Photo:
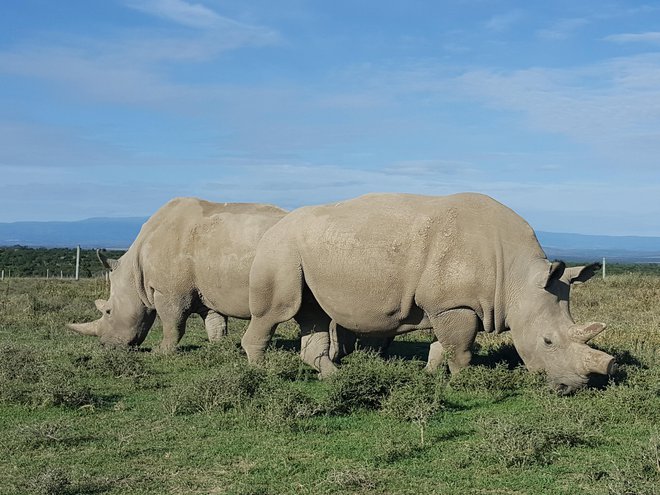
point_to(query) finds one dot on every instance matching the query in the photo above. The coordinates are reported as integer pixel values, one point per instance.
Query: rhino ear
(101, 305)
(580, 274)
(108, 263)
(555, 271)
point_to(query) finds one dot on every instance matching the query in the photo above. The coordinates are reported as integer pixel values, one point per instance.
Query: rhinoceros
(191, 256)
(385, 264)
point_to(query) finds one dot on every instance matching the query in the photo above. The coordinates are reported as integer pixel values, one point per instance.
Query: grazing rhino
(191, 256)
(386, 264)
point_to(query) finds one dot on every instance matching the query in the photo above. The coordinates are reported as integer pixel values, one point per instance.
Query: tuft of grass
(18, 363)
(392, 449)
(51, 481)
(638, 473)
(352, 479)
(42, 434)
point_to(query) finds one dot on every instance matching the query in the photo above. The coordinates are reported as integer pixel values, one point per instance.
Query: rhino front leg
(456, 330)
(173, 315)
(215, 324)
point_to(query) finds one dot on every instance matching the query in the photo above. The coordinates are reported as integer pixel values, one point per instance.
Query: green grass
(78, 419)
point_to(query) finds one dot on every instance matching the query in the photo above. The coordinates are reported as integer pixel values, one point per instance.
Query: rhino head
(545, 334)
(124, 320)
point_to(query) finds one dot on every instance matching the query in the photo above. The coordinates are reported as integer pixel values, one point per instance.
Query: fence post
(2, 277)
(78, 262)
(603, 268)
(47, 273)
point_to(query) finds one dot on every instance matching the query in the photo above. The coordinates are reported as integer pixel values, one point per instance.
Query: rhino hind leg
(315, 337)
(275, 297)
(456, 330)
(342, 342)
(173, 313)
(215, 324)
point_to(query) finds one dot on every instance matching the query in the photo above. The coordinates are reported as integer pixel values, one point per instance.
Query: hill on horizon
(119, 233)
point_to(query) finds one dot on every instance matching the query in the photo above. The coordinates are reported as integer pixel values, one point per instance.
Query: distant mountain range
(119, 233)
(110, 233)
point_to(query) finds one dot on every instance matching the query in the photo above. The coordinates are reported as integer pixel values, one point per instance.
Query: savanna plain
(79, 419)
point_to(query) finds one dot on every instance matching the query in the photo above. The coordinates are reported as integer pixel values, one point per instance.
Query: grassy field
(78, 419)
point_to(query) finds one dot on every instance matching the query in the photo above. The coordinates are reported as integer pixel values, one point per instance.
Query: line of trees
(23, 261)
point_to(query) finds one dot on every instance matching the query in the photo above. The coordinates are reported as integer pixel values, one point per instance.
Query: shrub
(229, 387)
(286, 365)
(279, 405)
(61, 387)
(226, 351)
(499, 381)
(415, 402)
(364, 381)
(125, 364)
(517, 443)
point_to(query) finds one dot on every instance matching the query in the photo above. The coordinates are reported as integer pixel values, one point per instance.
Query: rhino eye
(107, 311)
(547, 341)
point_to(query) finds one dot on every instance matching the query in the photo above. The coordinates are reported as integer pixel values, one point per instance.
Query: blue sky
(110, 108)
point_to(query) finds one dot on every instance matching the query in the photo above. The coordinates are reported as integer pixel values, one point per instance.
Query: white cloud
(228, 33)
(649, 37)
(606, 105)
(562, 29)
(503, 22)
(188, 14)
(92, 73)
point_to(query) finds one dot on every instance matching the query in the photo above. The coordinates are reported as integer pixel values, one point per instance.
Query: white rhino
(191, 256)
(385, 264)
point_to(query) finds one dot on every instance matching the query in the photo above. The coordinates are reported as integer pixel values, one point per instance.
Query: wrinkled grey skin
(385, 264)
(191, 256)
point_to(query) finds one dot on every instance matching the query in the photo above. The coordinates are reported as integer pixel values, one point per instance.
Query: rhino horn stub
(91, 328)
(595, 361)
(584, 333)
(108, 263)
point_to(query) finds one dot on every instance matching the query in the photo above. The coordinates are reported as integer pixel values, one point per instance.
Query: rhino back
(196, 246)
(371, 260)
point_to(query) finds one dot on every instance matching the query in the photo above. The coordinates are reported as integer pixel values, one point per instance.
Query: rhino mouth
(563, 389)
